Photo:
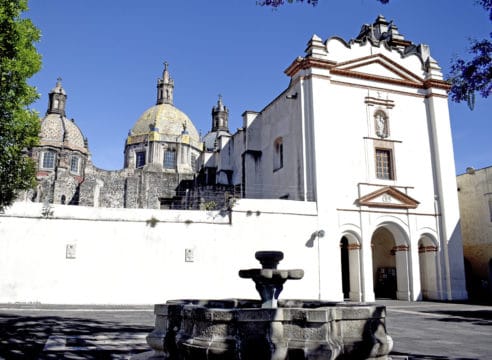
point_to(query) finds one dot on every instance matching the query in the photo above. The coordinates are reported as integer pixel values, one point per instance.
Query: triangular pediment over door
(388, 197)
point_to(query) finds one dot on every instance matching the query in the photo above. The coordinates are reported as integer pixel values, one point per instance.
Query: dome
(210, 140)
(168, 121)
(58, 131)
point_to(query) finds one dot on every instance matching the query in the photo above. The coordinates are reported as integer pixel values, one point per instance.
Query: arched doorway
(428, 268)
(390, 263)
(384, 264)
(350, 261)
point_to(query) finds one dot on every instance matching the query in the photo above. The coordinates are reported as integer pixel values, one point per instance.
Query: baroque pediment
(388, 197)
(378, 67)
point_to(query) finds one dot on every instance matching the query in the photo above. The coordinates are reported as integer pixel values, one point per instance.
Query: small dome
(58, 131)
(210, 140)
(168, 121)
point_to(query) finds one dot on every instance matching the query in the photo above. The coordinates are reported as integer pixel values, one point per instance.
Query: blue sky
(110, 53)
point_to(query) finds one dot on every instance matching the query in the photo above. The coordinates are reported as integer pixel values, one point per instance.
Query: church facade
(362, 131)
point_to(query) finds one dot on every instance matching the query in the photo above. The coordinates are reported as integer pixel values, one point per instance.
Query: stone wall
(131, 188)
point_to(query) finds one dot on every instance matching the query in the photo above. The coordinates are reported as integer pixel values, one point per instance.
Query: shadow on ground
(405, 356)
(25, 337)
(477, 317)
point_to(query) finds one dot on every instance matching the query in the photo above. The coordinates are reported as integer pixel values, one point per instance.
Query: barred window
(140, 159)
(48, 160)
(170, 159)
(384, 164)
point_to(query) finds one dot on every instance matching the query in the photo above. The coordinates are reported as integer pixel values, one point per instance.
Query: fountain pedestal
(269, 280)
(250, 329)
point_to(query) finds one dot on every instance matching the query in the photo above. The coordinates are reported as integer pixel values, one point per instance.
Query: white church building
(349, 171)
(363, 130)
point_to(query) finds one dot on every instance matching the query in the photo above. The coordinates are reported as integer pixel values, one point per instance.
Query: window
(278, 154)
(48, 160)
(140, 159)
(384, 164)
(170, 159)
(74, 164)
(193, 162)
(490, 208)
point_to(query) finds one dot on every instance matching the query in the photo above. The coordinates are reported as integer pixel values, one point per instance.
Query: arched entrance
(350, 260)
(428, 268)
(390, 263)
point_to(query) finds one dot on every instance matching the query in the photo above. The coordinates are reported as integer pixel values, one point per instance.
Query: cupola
(220, 116)
(57, 99)
(165, 87)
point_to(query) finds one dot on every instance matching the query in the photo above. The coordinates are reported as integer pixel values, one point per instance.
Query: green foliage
(152, 222)
(277, 3)
(19, 126)
(210, 205)
(474, 75)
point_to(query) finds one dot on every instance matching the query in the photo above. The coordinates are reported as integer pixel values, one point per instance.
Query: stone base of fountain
(242, 329)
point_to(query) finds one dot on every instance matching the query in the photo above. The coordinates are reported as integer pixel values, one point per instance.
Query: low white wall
(120, 258)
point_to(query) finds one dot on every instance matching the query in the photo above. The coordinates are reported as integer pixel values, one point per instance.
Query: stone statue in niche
(381, 124)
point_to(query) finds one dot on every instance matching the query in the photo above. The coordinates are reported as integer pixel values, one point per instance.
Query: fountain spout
(269, 280)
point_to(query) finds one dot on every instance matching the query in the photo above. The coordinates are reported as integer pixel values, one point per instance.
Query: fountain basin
(242, 329)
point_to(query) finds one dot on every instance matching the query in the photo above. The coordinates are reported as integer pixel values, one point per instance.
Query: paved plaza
(420, 330)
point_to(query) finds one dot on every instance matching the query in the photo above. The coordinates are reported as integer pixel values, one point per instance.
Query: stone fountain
(268, 329)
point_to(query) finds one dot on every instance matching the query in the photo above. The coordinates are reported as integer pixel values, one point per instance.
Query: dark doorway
(345, 267)
(384, 264)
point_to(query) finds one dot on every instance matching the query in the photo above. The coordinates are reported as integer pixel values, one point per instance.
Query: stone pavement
(433, 330)
(420, 330)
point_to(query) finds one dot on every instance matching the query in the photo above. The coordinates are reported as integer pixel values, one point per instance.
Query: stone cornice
(439, 84)
(61, 145)
(306, 63)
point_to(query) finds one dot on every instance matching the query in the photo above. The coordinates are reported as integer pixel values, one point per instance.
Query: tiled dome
(168, 121)
(58, 131)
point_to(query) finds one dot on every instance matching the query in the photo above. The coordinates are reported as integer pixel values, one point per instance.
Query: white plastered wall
(119, 258)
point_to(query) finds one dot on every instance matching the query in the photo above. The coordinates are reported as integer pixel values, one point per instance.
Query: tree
(19, 126)
(467, 77)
